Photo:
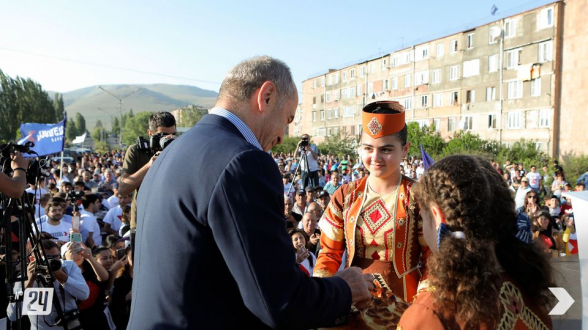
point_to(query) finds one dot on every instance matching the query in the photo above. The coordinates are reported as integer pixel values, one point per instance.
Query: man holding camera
(69, 285)
(139, 159)
(13, 187)
(308, 154)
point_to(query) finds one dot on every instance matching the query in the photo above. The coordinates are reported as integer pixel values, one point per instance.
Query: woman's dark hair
(111, 240)
(527, 199)
(97, 249)
(475, 200)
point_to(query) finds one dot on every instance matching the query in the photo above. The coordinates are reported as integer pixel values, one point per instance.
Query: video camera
(37, 168)
(304, 142)
(157, 142)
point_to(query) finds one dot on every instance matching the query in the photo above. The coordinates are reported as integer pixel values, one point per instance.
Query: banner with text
(48, 138)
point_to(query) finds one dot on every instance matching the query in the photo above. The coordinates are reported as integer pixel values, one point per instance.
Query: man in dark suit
(212, 251)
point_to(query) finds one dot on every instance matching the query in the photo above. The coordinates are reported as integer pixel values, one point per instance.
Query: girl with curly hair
(483, 254)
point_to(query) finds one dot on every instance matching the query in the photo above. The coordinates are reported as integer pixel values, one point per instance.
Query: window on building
(545, 118)
(330, 80)
(545, 51)
(407, 80)
(344, 93)
(492, 63)
(352, 130)
(450, 124)
(323, 81)
(321, 131)
(394, 83)
(471, 68)
(337, 78)
(514, 119)
(424, 101)
(322, 115)
(314, 116)
(329, 131)
(437, 100)
(440, 50)
(514, 89)
(384, 64)
(328, 96)
(436, 123)
(454, 99)
(329, 113)
(545, 18)
(493, 35)
(352, 92)
(539, 145)
(490, 93)
(510, 28)
(344, 76)
(454, 72)
(322, 98)
(336, 112)
(394, 61)
(407, 103)
(536, 87)
(386, 84)
(408, 57)
(422, 53)
(370, 89)
(470, 96)
(372, 67)
(336, 96)
(359, 90)
(362, 71)
(336, 131)
(470, 41)
(315, 83)
(436, 76)
(468, 123)
(348, 111)
(352, 74)
(513, 58)
(453, 46)
(421, 77)
(492, 121)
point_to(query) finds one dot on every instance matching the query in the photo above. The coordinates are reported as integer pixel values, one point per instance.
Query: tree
(115, 126)
(99, 134)
(288, 145)
(99, 123)
(339, 145)
(80, 123)
(71, 131)
(59, 107)
(426, 136)
(136, 126)
(191, 115)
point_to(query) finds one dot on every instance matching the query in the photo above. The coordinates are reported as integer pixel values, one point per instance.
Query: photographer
(308, 154)
(69, 285)
(14, 186)
(137, 162)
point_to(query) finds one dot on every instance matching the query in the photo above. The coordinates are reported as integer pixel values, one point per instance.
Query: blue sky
(66, 45)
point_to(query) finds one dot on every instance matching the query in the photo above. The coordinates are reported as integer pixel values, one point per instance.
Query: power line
(108, 66)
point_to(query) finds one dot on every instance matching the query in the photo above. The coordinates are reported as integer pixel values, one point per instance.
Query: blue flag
(427, 160)
(48, 138)
(493, 10)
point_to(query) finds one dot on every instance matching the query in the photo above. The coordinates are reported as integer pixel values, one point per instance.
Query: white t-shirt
(88, 224)
(113, 201)
(60, 231)
(534, 179)
(38, 194)
(114, 218)
(312, 163)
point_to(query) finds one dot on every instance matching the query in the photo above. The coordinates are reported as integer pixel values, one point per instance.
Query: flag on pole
(79, 139)
(493, 10)
(427, 160)
(48, 138)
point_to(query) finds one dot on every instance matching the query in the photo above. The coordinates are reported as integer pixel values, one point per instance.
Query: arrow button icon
(565, 301)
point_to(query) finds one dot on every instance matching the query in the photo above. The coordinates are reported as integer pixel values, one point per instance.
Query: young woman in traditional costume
(485, 272)
(375, 219)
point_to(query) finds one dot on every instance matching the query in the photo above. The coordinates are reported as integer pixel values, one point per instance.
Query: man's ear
(267, 96)
(149, 132)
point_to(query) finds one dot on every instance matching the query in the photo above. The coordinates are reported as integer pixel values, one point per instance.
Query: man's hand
(30, 274)
(19, 161)
(301, 254)
(60, 276)
(154, 158)
(315, 238)
(360, 284)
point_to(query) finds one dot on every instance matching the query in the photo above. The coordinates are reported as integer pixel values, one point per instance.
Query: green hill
(157, 97)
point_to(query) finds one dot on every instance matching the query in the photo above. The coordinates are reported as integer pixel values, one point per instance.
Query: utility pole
(120, 109)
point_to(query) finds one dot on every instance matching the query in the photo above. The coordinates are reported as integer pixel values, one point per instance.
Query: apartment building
(501, 80)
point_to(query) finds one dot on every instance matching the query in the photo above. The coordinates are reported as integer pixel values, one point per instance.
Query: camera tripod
(303, 161)
(24, 229)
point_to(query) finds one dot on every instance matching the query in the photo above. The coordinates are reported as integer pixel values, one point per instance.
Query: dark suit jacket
(212, 247)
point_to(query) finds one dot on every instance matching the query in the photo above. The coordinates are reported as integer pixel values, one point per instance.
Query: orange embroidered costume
(382, 234)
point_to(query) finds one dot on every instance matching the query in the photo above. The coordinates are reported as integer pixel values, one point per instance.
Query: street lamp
(110, 115)
(120, 109)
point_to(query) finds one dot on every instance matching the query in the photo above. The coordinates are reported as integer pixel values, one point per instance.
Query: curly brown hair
(475, 200)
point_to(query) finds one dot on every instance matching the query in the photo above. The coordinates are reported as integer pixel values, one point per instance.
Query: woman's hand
(301, 254)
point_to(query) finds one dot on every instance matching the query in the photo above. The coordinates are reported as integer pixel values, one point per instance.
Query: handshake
(359, 283)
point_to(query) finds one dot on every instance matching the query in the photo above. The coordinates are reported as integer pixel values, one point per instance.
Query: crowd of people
(378, 211)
